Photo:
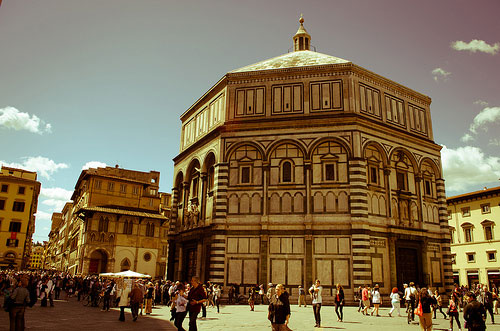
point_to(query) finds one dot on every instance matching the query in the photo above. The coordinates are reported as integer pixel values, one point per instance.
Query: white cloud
(476, 46)
(494, 142)
(486, 116)
(56, 193)
(56, 197)
(467, 166)
(439, 73)
(57, 205)
(41, 215)
(12, 118)
(43, 166)
(481, 103)
(467, 137)
(94, 164)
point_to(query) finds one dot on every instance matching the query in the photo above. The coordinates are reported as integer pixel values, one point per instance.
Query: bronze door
(190, 263)
(408, 266)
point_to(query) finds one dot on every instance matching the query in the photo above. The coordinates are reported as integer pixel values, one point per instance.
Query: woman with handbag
(453, 312)
(339, 303)
(279, 310)
(425, 301)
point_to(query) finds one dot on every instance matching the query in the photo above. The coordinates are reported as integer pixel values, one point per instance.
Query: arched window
(103, 224)
(125, 265)
(286, 172)
(127, 227)
(210, 179)
(150, 230)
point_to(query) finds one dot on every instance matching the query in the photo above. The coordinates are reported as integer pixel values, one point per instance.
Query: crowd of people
(189, 299)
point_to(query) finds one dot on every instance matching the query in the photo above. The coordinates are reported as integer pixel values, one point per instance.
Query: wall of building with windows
(19, 192)
(473, 218)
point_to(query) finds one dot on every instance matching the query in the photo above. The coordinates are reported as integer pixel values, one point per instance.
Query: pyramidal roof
(292, 60)
(302, 56)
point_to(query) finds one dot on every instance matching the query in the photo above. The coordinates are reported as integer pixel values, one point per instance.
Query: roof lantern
(302, 39)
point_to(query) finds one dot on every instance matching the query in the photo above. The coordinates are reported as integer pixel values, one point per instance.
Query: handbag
(9, 303)
(270, 313)
(418, 311)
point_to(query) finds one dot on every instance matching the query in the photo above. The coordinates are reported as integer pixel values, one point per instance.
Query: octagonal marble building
(307, 166)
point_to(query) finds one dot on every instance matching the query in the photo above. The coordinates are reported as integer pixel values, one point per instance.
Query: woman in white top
(217, 294)
(180, 309)
(317, 300)
(376, 300)
(395, 301)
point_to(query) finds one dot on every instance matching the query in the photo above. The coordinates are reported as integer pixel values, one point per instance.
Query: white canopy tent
(124, 274)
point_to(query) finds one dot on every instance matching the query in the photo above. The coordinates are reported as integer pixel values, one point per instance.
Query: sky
(103, 82)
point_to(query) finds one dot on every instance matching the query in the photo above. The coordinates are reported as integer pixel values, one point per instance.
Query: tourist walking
(107, 296)
(180, 308)
(261, 294)
(488, 303)
(123, 295)
(453, 312)
(426, 301)
(20, 298)
(196, 297)
(279, 310)
(358, 298)
(339, 303)
(439, 304)
(395, 301)
(475, 314)
(251, 298)
(315, 292)
(135, 300)
(150, 294)
(216, 295)
(365, 297)
(302, 297)
(376, 300)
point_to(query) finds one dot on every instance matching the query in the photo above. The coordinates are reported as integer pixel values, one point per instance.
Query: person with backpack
(20, 299)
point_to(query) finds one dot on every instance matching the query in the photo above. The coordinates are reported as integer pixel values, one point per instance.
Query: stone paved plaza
(73, 316)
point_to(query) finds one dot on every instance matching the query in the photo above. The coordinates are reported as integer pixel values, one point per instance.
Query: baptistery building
(307, 166)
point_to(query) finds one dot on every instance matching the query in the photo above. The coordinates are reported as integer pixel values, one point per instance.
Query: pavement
(73, 316)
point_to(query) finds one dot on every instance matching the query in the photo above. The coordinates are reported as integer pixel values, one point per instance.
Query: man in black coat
(475, 314)
(488, 303)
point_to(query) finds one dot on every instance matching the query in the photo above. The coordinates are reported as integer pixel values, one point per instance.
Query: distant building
(36, 257)
(307, 166)
(19, 192)
(115, 223)
(473, 219)
(52, 255)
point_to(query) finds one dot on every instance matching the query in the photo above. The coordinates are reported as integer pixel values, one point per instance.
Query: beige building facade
(19, 190)
(36, 257)
(473, 219)
(307, 166)
(115, 223)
